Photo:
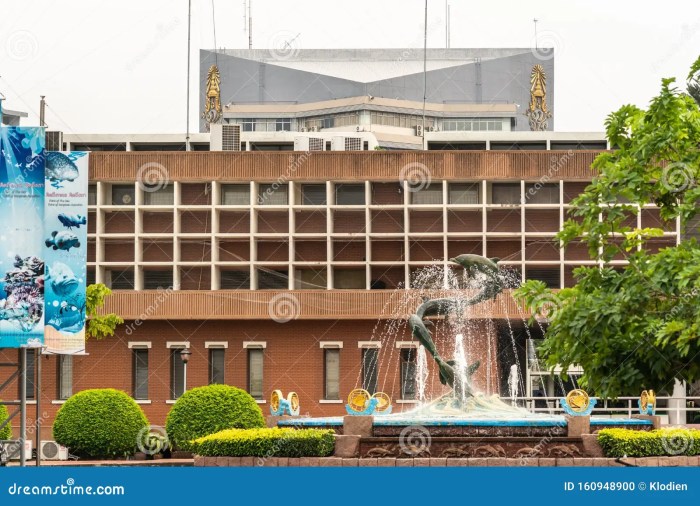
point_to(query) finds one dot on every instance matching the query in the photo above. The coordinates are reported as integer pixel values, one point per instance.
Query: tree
(636, 326)
(694, 82)
(99, 326)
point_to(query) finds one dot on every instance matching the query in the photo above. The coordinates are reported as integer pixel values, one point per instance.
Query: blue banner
(22, 161)
(440, 486)
(65, 241)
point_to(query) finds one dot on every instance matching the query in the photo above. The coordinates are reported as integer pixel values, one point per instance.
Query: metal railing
(622, 406)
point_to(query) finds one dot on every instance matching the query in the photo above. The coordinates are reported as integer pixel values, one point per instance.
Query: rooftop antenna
(447, 24)
(250, 25)
(535, 20)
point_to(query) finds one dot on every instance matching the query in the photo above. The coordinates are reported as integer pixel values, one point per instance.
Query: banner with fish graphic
(22, 161)
(65, 251)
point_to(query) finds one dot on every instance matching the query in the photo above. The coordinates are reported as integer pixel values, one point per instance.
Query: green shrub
(6, 431)
(102, 423)
(206, 410)
(639, 443)
(274, 442)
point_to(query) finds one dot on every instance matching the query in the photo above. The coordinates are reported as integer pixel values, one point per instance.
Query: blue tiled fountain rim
(381, 421)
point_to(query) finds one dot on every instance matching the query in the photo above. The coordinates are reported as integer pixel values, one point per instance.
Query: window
(431, 194)
(30, 378)
(154, 196)
(272, 279)
(551, 276)
(272, 195)
(216, 365)
(349, 194)
(464, 193)
(541, 193)
(310, 279)
(369, 369)
(408, 373)
(235, 194)
(140, 372)
(92, 194)
(123, 195)
(177, 374)
(331, 373)
(313, 194)
(235, 280)
(283, 125)
(468, 125)
(349, 279)
(505, 193)
(65, 376)
(255, 372)
(155, 280)
(120, 280)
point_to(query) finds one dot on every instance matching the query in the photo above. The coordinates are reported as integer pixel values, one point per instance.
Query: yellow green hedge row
(638, 443)
(274, 442)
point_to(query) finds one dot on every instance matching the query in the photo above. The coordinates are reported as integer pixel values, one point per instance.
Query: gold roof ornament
(212, 106)
(537, 111)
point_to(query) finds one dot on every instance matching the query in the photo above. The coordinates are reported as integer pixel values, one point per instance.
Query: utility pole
(42, 111)
(250, 26)
(189, 29)
(425, 66)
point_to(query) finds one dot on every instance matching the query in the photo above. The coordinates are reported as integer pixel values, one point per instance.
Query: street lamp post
(185, 356)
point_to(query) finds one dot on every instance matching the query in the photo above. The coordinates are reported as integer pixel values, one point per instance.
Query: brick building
(283, 270)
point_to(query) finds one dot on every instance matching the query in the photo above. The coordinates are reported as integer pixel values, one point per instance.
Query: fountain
(463, 421)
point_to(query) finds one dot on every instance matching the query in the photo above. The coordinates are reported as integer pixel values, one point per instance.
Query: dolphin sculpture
(477, 263)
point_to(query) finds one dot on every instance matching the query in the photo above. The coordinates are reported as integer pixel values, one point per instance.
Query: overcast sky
(120, 66)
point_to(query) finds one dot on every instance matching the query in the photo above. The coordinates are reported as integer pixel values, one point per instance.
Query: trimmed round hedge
(100, 423)
(206, 410)
(6, 431)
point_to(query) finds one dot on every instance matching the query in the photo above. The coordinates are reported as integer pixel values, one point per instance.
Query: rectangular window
(541, 193)
(235, 195)
(269, 279)
(505, 193)
(30, 378)
(464, 193)
(92, 195)
(332, 373)
(159, 196)
(350, 194)
(154, 280)
(431, 194)
(177, 374)
(255, 372)
(408, 373)
(313, 194)
(369, 369)
(140, 373)
(273, 195)
(120, 279)
(123, 195)
(216, 365)
(65, 376)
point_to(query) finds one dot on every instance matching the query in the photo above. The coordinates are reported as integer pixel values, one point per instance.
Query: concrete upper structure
(378, 90)
(12, 118)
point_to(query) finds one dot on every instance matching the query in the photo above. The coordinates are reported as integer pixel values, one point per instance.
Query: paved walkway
(111, 463)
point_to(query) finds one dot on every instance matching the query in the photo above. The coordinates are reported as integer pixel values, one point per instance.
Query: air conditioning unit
(54, 141)
(419, 130)
(303, 129)
(313, 129)
(13, 450)
(224, 137)
(51, 450)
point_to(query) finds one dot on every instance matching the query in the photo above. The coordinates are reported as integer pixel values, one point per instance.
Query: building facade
(290, 271)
